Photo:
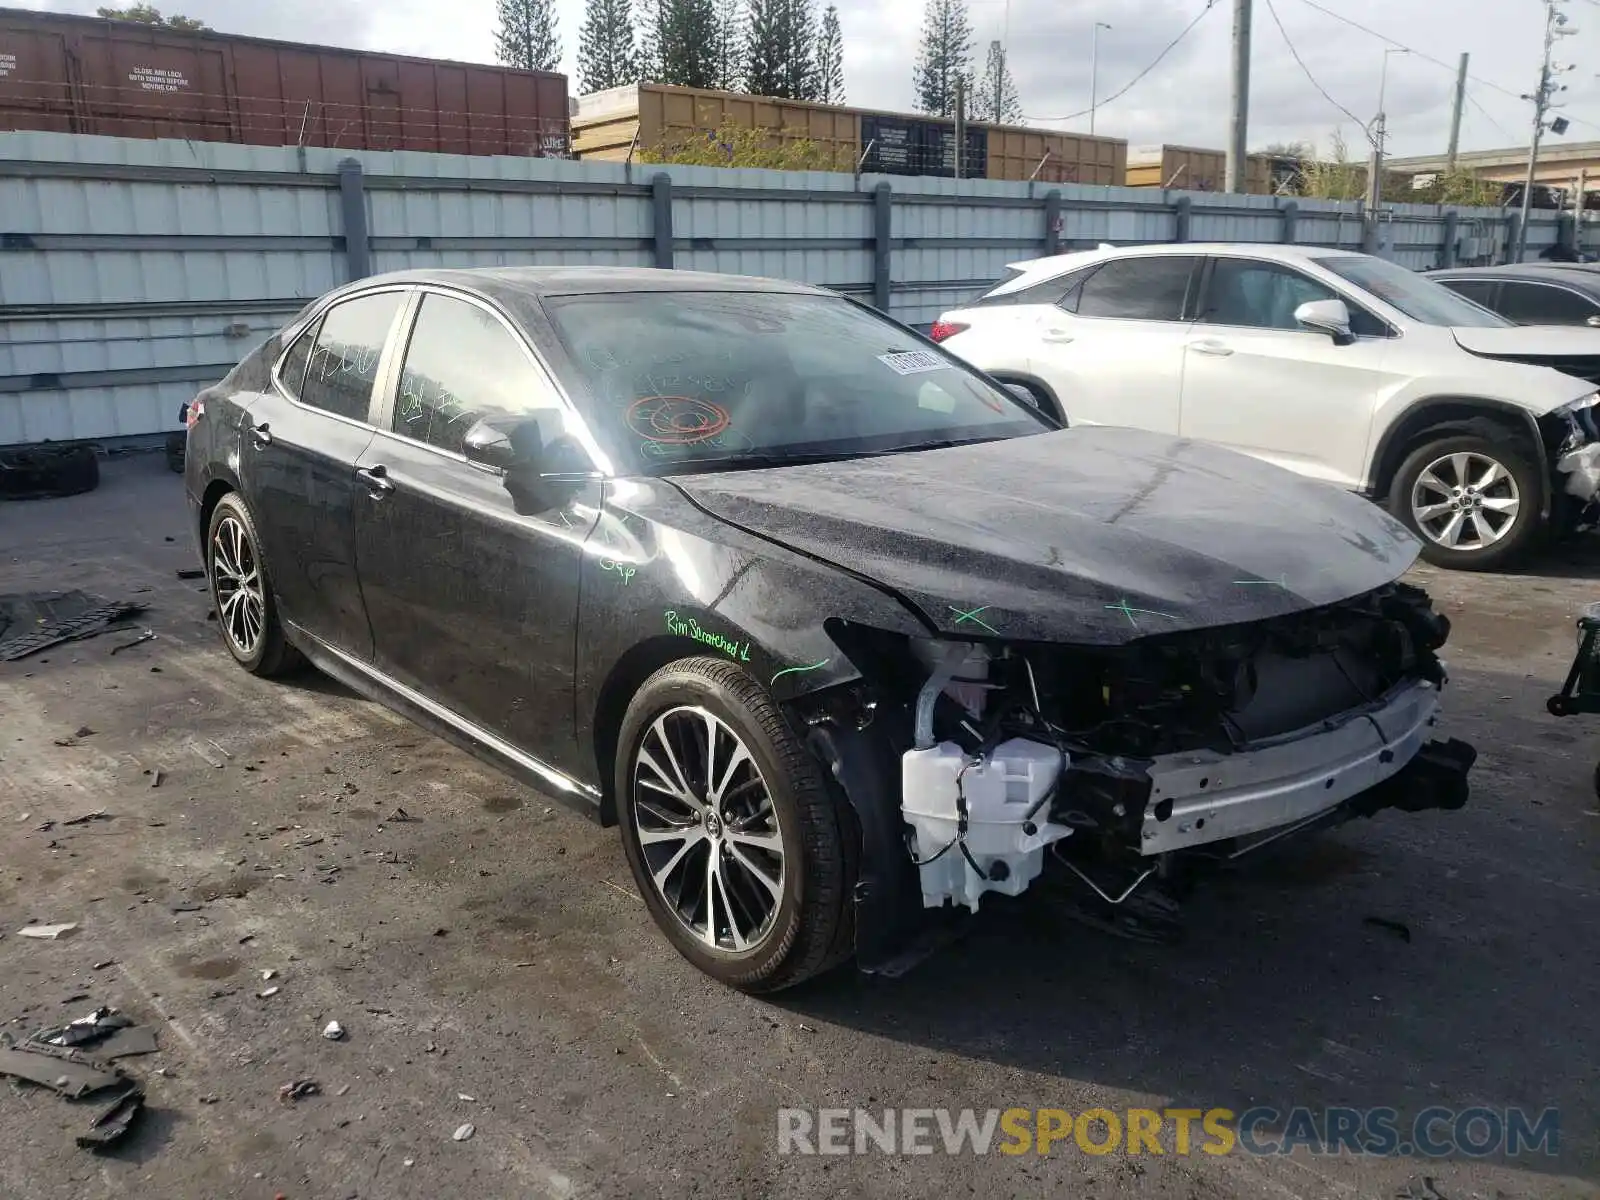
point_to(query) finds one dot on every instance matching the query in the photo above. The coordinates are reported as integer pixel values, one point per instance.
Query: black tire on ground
(271, 654)
(808, 933)
(1525, 529)
(43, 472)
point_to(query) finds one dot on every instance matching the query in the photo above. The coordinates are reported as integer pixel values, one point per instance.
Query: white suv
(1477, 433)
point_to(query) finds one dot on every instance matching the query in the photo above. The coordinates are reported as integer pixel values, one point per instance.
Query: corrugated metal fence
(134, 272)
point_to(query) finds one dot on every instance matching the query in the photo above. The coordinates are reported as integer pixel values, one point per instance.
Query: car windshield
(1421, 299)
(688, 381)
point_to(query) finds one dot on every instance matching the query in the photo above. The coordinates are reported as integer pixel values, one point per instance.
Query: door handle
(1215, 349)
(1058, 337)
(377, 480)
(261, 434)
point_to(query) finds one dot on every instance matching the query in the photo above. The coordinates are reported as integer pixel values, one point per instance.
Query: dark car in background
(835, 627)
(1531, 293)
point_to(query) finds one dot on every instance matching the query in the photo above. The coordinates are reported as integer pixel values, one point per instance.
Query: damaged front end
(972, 766)
(1571, 436)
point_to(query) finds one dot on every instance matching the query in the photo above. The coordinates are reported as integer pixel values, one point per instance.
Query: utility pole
(1455, 116)
(961, 121)
(997, 53)
(1094, 72)
(1379, 132)
(1555, 26)
(1239, 122)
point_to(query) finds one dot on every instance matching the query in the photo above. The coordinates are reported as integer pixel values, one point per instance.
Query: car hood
(1530, 341)
(1094, 536)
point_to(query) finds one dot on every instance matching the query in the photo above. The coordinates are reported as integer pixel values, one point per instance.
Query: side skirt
(439, 720)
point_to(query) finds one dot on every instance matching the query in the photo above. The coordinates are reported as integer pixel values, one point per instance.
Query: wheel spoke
(677, 778)
(717, 886)
(1428, 512)
(1493, 475)
(716, 786)
(1506, 505)
(1461, 464)
(662, 874)
(710, 934)
(1432, 482)
(1450, 535)
(664, 784)
(773, 886)
(677, 833)
(771, 842)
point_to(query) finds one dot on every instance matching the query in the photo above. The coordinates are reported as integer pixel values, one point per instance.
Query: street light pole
(1555, 26)
(1094, 72)
(1378, 134)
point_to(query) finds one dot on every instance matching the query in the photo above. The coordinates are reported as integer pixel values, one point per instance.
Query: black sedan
(1531, 293)
(835, 628)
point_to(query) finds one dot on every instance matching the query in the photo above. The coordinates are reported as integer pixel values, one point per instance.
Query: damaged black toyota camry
(841, 633)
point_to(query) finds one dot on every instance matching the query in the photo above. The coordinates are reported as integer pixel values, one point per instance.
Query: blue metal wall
(134, 272)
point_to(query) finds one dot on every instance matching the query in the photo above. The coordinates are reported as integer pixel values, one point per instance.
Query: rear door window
(344, 363)
(1138, 289)
(1479, 291)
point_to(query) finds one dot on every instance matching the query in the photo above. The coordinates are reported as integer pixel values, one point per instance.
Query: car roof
(1572, 274)
(1037, 270)
(521, 283)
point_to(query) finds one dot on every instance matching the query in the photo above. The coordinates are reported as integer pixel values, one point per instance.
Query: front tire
(1473, 502)
(247, 613)
(731, 835)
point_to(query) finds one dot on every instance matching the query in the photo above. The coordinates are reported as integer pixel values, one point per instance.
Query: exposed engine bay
(1118, 760)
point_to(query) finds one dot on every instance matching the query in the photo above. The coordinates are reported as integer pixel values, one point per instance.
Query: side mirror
(490, 445)
(1023, 393)
(1326, 316)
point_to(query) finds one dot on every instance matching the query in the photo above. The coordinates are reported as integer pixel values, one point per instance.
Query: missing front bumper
(1200, 798)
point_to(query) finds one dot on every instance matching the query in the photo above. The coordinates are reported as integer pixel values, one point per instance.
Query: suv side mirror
(1023, 393)
(1326, 316)
(490, 445)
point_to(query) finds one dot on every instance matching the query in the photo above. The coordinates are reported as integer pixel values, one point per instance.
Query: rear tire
(1473, 502)
(247, 613)
(756, 828)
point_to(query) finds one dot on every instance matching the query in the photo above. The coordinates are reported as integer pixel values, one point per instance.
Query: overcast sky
(1184, 100)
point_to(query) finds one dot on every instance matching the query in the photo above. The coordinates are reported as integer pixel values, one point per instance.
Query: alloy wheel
(1465, 501)
(236, 578)
(707, 829)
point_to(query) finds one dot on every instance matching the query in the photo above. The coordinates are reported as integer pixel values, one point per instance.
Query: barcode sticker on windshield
(913, 362)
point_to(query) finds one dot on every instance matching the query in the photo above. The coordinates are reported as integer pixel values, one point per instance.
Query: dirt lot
(493, 965)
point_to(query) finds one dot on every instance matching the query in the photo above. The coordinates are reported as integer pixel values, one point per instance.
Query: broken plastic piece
(98, 814)
(113, 1123)
(127, 1043)
(102, 1022)
(333, 1031)
(464, 1132)
(63, 1071)
(268, 994)
(48, 933)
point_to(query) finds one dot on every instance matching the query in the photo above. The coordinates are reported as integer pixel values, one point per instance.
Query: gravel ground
(493, 965)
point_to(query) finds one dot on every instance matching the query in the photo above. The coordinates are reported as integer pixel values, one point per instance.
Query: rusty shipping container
(91, 75)
(650, 119)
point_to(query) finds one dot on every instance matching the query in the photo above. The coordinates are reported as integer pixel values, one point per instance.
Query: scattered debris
(98, 814)
(113, 1123)
(201, 751)
(149, 635)
(62, 1070)
(186, 906)
(220, 748)
(1399, 928)
(101, 966)
(191, 573)
(344, 1090)
(399, 816)
(102, 1022)
(333, 1031)
(48, 933)
(155, 778)
(54, 618)
(268, 994)
(211, 1098)
(267, 974)
(467, 1098)
(83, 731)
(298, 1090)
(131, 1042)
(464, 1132)
(1424, 1191)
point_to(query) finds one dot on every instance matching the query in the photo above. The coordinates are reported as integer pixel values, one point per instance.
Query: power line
(1428, 58)
(1170, 46)
(1295, 54)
